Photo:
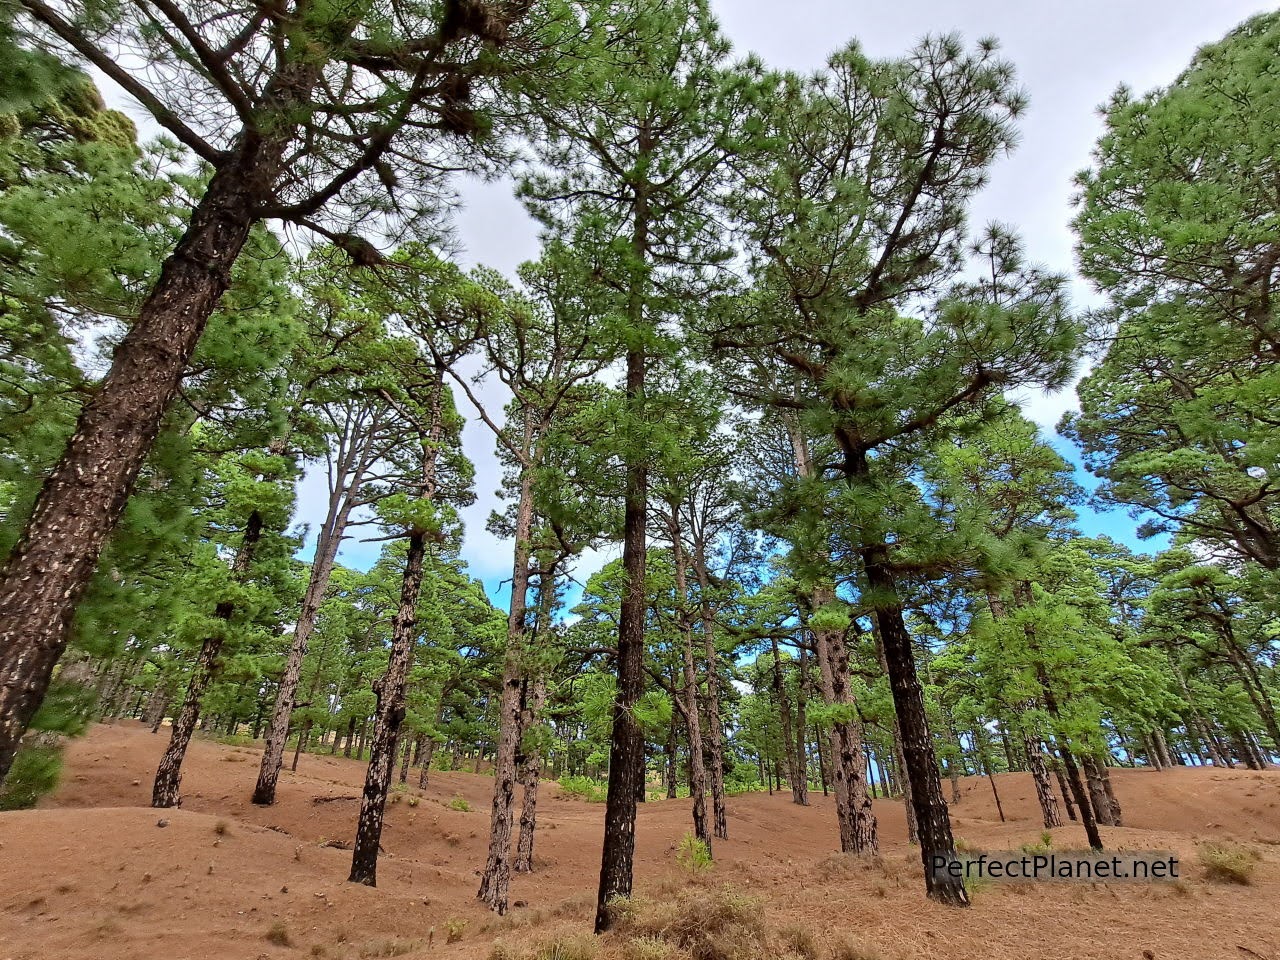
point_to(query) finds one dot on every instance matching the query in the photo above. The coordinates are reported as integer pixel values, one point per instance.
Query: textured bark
(626, 749)
(854, 817)
(1162, 747)
(689, 692)
(165, 792)
(788, 734)
(82, 499)
(530, 772)
(1117, 816)
(495, 882)
(715, 727)
(801, 741)
(351, 463)
(921, 764)
(406, 757)
(1044, 791)
(390, 691)
(1098, 800)
(671, 753)
(1064, 790)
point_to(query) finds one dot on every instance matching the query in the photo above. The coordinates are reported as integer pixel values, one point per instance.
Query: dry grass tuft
(279, 935)
(718, 923)
(1226, 862)
(846, 948)
(799, 942)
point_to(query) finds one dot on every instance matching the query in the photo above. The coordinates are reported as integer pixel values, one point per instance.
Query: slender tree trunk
(496, 879)
(671, 750)
(165, 792)
(406, 757)
(1098, 800)
(984, 766)
(822, 761)
(923, 781)
(327, 542)
(802, 751)
(158, 707)
(626, 750)
(428, 752)
(81, 501)
(788, 734)
(697, 769)
(1044, 792)
(715, 728)
(303, 734)
(390, 691)
(530, 774)
(854, 817)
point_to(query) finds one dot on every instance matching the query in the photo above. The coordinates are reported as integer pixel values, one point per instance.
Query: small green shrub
(1228, 862)
(454, 928)
(35, 772)
(1044, 845)
(279, 935)
(584, 788)
(460, 803)
(693, 854)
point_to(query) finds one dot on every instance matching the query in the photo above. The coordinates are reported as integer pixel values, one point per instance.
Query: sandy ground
(92, 874)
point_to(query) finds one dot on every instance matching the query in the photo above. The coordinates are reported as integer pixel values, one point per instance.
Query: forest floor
(91, 874)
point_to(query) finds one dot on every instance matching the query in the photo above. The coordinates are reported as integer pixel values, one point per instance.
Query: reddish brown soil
(92, 875)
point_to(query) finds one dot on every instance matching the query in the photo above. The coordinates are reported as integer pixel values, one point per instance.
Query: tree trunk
(693, 718)
(530, 774)
(984, 765)
(802, 751)
(671, 750)
(298, 747)
(81, 501)
(626, 749)
(715, 728)
(406, 756)
(327, 543)
(496, 879)
(390, 691)
(923, 781)
(1062, 788)
(351, 737)
(788, 734)
(165, 792)
(158, 706)
(1098, 800)
(854, 817)
(1044, 792)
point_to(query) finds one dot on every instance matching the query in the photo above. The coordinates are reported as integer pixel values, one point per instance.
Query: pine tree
(254, 99)
(853, 205)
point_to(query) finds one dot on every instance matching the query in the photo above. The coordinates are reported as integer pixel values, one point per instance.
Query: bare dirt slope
(93, 875)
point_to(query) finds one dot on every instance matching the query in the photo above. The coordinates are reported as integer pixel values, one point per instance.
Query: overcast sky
(1069, 57)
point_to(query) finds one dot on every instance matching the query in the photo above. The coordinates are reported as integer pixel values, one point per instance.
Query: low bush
(1228, 862)
(584, 788)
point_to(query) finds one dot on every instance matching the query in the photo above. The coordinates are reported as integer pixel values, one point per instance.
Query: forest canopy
(765, 364)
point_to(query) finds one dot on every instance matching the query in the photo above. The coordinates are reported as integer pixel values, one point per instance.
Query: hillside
(91, 874)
